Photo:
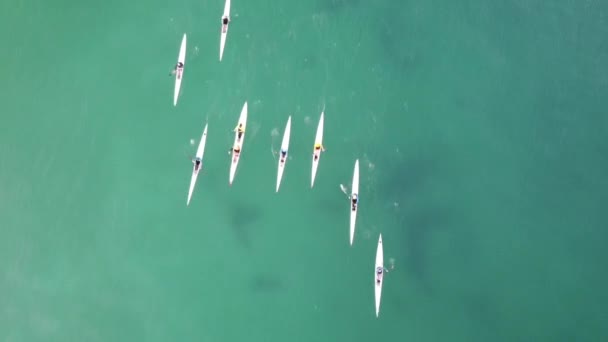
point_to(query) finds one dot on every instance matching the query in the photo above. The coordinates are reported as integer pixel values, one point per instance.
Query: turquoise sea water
(479, 126)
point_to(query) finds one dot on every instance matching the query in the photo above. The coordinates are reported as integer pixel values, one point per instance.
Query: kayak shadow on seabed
(268, 283)
(414, 229)
(243, 217)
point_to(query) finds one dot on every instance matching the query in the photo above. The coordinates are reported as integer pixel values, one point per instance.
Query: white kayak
(225, 22)
(179, 71)
(198, 163)
(379, 274)
(354, 202)
(316, 152)
(239, 138)
(283, 152)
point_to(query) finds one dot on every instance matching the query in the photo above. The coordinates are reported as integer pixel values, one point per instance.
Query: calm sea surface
(480, 127)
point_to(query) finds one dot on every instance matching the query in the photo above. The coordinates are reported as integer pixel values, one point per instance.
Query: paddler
(236, 149)
(240, 129)
(379, 271)
(225, 21)
(197, 164)
(355, 201)
(179, 65)
(318, 147)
